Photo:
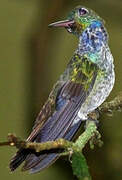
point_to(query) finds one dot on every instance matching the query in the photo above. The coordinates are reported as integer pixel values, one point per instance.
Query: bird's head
(78, 20)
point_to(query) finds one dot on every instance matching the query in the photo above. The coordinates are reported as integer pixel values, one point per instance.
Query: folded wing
(62, 122)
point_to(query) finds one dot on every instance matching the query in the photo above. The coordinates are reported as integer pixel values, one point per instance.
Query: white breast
(98, 95)
(100, 91)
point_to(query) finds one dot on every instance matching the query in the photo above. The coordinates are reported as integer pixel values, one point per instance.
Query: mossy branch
(115, 104)
(90, 134)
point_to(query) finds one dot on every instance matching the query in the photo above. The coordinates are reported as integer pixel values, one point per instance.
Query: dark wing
(59, 124)
(56, 107)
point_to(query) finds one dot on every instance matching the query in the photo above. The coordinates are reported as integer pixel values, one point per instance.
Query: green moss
(79, 166)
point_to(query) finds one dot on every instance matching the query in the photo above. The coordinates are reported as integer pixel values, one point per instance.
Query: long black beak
(65, 23)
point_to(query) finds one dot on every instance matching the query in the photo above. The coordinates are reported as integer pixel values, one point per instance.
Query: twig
(89, 134)
(57, 144)
(115, 104)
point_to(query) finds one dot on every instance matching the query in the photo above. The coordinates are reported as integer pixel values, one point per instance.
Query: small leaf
(79, 166)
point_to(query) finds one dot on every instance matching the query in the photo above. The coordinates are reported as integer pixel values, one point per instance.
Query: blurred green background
(31, 58)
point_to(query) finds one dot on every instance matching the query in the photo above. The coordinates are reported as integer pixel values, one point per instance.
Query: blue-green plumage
(85, 84)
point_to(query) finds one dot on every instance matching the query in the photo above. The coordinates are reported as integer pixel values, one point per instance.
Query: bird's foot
(94, 116)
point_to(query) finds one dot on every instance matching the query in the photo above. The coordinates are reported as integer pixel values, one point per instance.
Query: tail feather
(32, 160)
(18, 159)
(35, 163)
(44, 162)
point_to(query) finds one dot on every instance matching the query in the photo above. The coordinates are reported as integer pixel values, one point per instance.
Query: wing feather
(56, 120)
(60, 125)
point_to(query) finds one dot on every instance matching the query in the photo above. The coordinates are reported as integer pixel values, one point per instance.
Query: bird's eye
(83, 11)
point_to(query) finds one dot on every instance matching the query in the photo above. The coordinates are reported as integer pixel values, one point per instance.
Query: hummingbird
(84, 85)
